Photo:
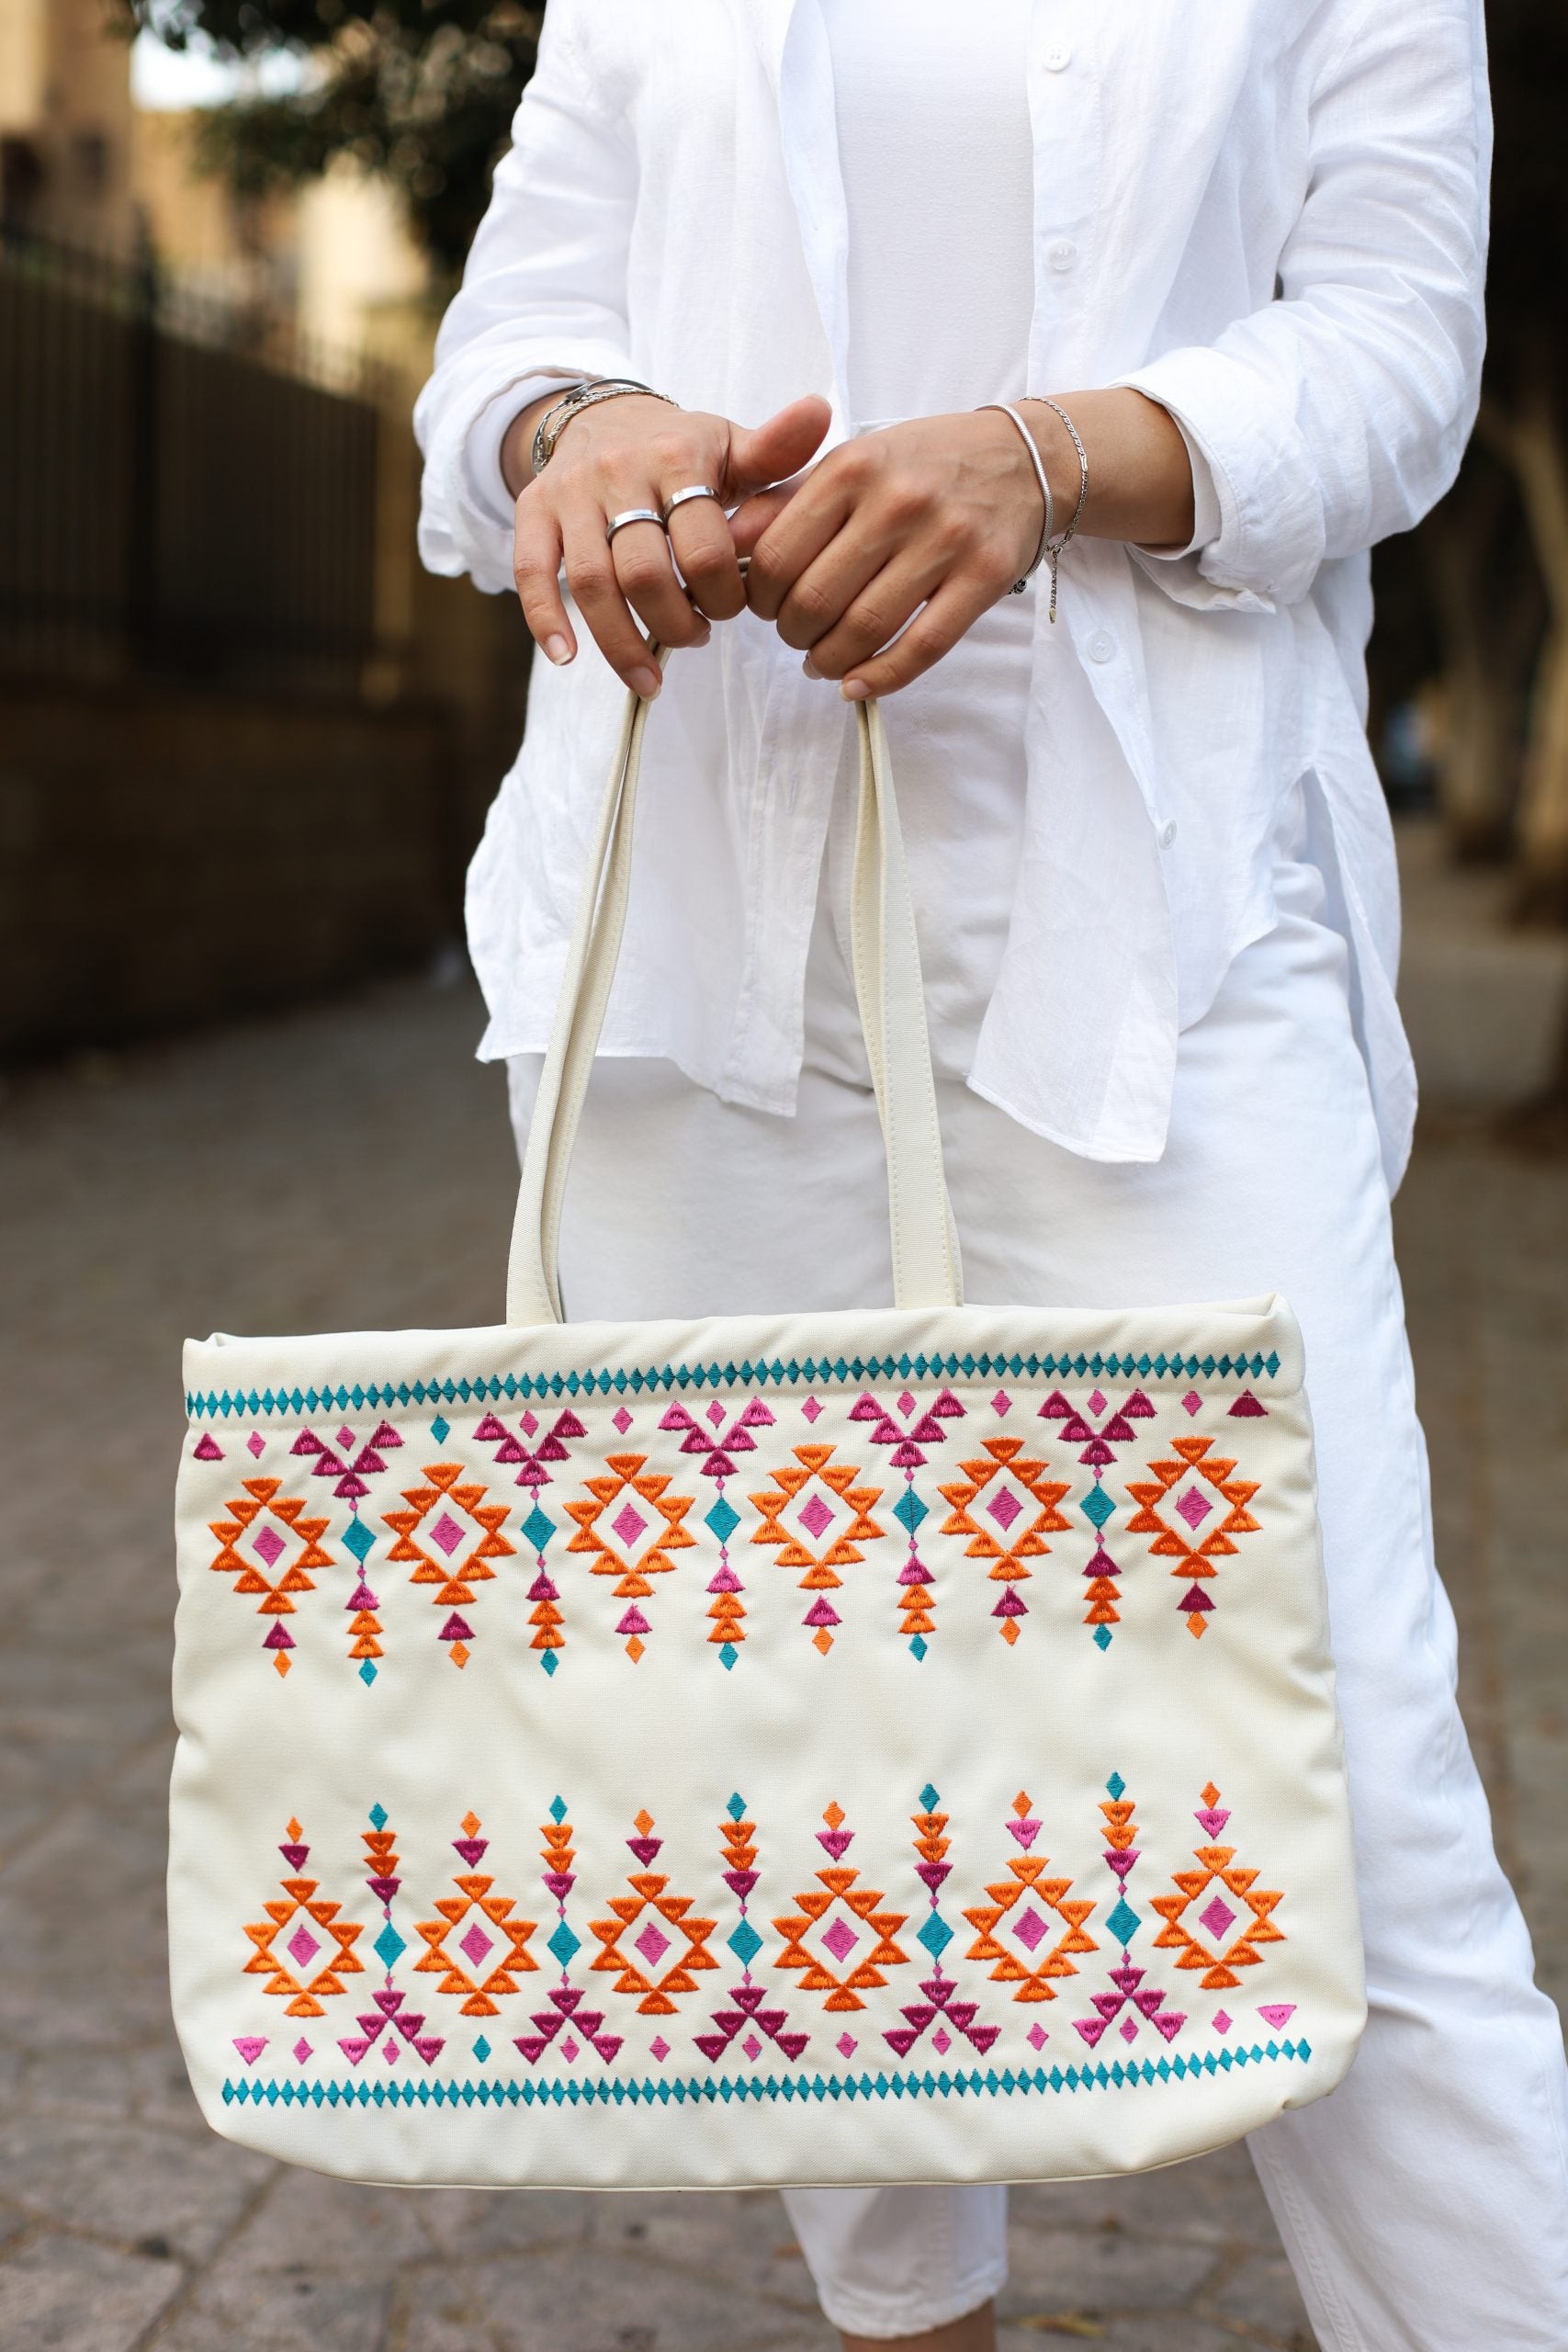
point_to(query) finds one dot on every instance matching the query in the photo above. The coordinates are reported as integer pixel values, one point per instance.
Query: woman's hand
(635, 451)
(901, 540)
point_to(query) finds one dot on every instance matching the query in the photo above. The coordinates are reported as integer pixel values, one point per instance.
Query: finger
(536, 567)
(955, 608)
(751, 518)
(882, 600)
(591, 576)
(761, 454)
(798, 534)
(705, 552)
(818, 602)
(640, 553)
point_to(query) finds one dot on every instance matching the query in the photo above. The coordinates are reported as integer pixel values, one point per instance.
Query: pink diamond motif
(942, 2041)
(1098, 1403)
(1221, 2022)
(658, 2047)
(1004, 1508)
(256, 1443)
(751, 2046)
(715, 1413)
(568, 2049)
(301, 2050)
(653, 1944)
(1030, 1928)
(1035, 2037)
(1194, 1507)
(623, 1419)
(1192, 1402)
(815, 1515)
(303, 1946)
(847, 2044)
(269, 1544)
(811, 1409)
(528, 1425)
(446, 1532)
(906, 1404)
(1128, 2028)
(1002, 1402)
(1217, 1919)
(627, 1524)
(389, 2049)
(476, 1944)
(840, 1939)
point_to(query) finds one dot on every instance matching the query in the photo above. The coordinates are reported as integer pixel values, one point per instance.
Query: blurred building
(218, 655)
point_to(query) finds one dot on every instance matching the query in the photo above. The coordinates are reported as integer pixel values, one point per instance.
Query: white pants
(1425, 2203)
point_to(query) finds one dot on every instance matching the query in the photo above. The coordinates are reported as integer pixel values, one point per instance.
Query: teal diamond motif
(736, 1807)
(389, 1945)
(723, 1519)
(563, 1943)
(548, 1660)
(930, 1798)
(1116, 1787)
(440, 1430)
(745, 1944)
(918, 1646)
(909, 1509)
(359, 1539)
(368, 1673)
(1124, 1923)
(1098, 1506)
(539, 1529)
(936, 1935)
(558, 1809)
(481, 2050)
(378, 1816)
(1103, 1636)
(728, 1656)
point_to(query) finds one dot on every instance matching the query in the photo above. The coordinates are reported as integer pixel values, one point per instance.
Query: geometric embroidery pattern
(255, 1514)
(1194, 1464)
(1014, 1535)
(446, 1535)
(825, 1506)
(629, 1480)
(849, 1943)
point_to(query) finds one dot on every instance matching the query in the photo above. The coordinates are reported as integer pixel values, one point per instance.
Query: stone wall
(168, 857)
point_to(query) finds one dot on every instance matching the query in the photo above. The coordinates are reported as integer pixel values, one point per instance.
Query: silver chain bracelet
(1053, 547)
(588, 394)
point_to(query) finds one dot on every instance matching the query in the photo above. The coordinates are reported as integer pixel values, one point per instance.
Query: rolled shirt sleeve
(543, 298)
(1339, 412)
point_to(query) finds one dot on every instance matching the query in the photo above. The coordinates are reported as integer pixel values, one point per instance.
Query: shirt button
(1168, 833)
(1063, 253)
(1101, 647)
(1056, 58)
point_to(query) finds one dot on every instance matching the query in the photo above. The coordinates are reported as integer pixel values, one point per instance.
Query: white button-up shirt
(1272, 220)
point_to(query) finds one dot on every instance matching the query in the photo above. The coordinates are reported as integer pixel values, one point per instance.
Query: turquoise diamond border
(1011, 2082)
(254, 1404)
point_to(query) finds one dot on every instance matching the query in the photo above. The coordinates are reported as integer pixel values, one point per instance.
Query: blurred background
(245, 750)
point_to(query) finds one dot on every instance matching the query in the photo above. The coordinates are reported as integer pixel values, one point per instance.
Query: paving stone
(558, 2300)
(66, 2291)
(1100, 2270)
(466, 2222)
(1262, 2290)
(1212, 2200)
(744, 2238)
(303, 2309)
(127, 2183)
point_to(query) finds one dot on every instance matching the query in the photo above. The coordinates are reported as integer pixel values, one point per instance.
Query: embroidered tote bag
(842, 1747)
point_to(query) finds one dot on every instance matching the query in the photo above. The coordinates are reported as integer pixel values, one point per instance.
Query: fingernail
(558, 650)
(703, 640)
(855, 690)
(644, 682)
(810, 668)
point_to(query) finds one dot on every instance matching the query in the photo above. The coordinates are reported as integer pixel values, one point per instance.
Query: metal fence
(184, 491)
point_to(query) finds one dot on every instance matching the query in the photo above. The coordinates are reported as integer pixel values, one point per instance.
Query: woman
(1152, 869)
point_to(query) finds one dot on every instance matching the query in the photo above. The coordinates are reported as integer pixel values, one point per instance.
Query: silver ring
(696, 490)
(633, 514)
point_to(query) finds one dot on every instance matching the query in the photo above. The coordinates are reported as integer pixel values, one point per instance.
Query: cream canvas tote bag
(806, 1747)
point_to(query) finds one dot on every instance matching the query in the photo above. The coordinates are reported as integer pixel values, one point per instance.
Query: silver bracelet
(1054, 550)
(1019, 585)
(587, 395)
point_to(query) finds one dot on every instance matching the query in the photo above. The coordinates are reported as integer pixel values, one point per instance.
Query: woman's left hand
(942, 512)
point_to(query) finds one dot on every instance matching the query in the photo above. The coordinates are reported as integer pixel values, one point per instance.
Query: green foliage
(421, 91)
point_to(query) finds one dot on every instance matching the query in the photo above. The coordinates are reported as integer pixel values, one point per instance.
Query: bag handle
(886, 959)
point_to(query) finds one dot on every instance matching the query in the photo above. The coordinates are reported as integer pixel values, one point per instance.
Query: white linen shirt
(1271, 221)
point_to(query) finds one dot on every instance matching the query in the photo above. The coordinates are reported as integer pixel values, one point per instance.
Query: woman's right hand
(636, 451)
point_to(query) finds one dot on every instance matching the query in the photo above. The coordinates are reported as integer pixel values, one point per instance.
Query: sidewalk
(351, 1167)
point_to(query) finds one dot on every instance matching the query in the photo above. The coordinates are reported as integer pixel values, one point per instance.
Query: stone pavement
(351, 1167)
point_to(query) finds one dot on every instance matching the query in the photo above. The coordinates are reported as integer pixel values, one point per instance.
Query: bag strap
(886, 959)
